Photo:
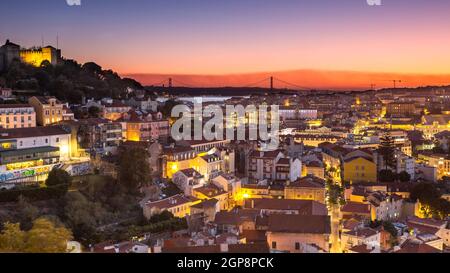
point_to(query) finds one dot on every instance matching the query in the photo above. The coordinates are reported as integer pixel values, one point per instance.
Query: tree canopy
(43, 237)
(386, 150)
(58, 177)
(134, 170)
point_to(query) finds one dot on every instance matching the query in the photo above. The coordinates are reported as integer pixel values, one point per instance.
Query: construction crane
(394, 82)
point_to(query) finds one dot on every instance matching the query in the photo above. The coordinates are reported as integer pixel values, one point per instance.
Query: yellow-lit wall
(315, 194)
(36, 57)
(360, 170)
(174, 166)
(133, 132)
(46, 114)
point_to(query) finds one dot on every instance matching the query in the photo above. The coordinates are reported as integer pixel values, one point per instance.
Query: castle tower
(8, 53)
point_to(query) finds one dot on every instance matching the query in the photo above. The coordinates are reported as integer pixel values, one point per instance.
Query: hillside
(69, 81)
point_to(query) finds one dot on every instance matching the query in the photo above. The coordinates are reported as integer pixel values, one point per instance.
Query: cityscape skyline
(239, 38)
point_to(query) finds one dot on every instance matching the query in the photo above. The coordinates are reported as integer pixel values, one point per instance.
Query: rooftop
(32, 132)
(289, 223)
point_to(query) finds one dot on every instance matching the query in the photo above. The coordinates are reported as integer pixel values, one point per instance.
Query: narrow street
(335, 228)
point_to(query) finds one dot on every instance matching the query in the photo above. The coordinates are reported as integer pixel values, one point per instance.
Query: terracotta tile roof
(363, 232)
(170, 202)
(190, 172)
(236, 248)
(45, 99)
(308, 182)
(305, 207)
(289, 223)
(210, 190)
(411, 247)
(354, 207)
(32, 132)
(361, 249)
(253, 236)
(206, 203)
(283, 161)
(235, 217)
(5, 106)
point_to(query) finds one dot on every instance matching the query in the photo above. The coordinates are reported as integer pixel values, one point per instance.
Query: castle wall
(36, 57)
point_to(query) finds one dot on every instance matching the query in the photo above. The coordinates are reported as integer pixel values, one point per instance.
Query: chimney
(223, 248)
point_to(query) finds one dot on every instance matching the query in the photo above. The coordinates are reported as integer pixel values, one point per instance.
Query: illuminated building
(434, 124)
(314, 168)
(359, 166)
(109, 108)
(33, 56)
(208, 165)
(211, 191)
(143, 126)
(268, 206)
(178, 205)
(28, 154)
(299, 233)
(176, 159)
(438, 161)
(17, 116)
(253, 191)
(36, 56)
(96, 135)
(315, 140)
(202, 146)
(187, 180)
(400, 109)
(49, 110)
(230, 184)
(356, 237)
(143, 104)
(273, 166)
(306, 188)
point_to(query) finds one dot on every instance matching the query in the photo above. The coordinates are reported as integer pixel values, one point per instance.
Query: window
(297, 246)
(274, 245)
(46, 140)
(57, 140)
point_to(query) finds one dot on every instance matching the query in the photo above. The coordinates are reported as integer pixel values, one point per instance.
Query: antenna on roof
(42, 40)
(57, 41)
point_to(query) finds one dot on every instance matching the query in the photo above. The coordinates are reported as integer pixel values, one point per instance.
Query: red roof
(290, 223)
(354, 207)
